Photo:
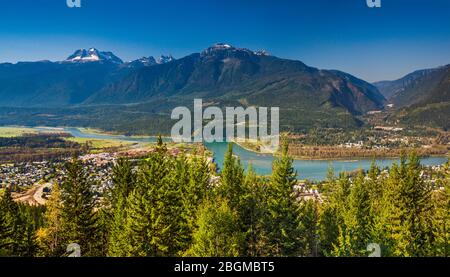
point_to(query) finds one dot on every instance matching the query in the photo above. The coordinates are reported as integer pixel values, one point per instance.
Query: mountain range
(422, 97)
(222, 74)
(64, 83)
(427, 85)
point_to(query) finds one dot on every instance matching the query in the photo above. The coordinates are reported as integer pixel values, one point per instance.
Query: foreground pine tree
(50, 237)
(194, 192)
(218, 233)
(79, 219)
(308, 228)
(283, 208)
(404, 225)
(356, 229)
(30, 223)
(17, 227)
(254, 215)
(440, 246)
(7, 224)
(154, 214)
(232, 180)
(124, 181)
(328, 229)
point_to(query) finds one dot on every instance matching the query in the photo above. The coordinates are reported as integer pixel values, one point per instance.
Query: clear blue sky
(373, 44)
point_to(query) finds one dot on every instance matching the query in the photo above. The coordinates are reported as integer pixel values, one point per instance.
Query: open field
(8, 132)
(99, 144)
(94, 131)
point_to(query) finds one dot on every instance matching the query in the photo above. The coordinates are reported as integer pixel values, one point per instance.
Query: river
(306, 169)
(262, 163)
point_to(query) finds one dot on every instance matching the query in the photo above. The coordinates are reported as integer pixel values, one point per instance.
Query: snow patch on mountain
(93, 55)
(220, 47)
(164, 59)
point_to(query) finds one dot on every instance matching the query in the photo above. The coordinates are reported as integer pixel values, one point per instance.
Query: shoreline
(94, 131)
(343, 159)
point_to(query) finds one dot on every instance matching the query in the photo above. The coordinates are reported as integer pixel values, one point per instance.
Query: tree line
(171, 206)
(38, 147)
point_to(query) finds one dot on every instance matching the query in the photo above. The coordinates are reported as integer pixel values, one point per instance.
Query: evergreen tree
(29, 223)
(232, 180)
(441, 217)
(8, 212)
(234, 191)
(161, 147)
(17, 226)
(50, 236)
(334, 208)
(154, 209)
(217, 234)
(195, 191)
(254, 215)
(79, 220)
(114, 217)
(374, 186)
(328, 229)
(123, 179)
(308, 228)
(355, 231)
(404, 226)
(283, 207)
(118, 240)
(328, 220)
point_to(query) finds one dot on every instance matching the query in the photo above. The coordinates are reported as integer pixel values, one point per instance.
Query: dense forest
(173, 206)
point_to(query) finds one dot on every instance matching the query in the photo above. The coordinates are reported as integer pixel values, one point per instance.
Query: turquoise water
(262, 163)
(306, 169)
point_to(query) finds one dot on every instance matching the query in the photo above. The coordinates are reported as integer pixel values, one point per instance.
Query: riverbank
(307, 169)
(297, 151)
(327, 153)
(336, 152)
(311, 169)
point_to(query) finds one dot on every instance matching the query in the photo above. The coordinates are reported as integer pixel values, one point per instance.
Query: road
(32, 196)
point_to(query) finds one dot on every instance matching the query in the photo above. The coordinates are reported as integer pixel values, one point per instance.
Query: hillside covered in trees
(176, 206)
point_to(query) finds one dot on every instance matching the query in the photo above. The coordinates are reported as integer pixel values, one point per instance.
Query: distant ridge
(221, 73)
(422, 97)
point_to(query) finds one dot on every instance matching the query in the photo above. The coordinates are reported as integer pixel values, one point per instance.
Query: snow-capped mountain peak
(150, 61)
(262, 53)
(164, 59)
(225, 47)
(93, 55)
(142, 62)
(221, 46)
(147, 61)
(217, 47)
